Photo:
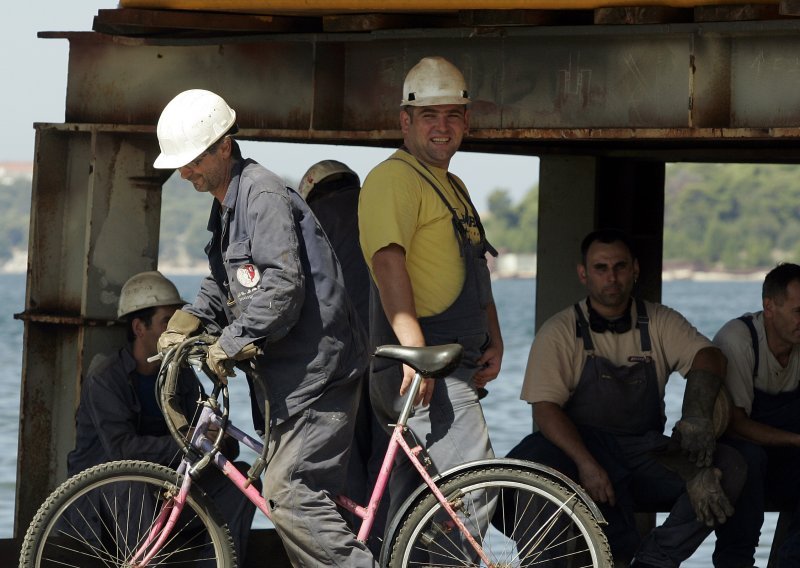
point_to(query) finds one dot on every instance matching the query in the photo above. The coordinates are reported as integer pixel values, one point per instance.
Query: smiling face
(433, 134)
(609, 275)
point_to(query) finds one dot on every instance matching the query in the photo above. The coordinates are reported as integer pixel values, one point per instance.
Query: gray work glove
(222, 364)
(708, 500)
(180, 326)
(696, 436)
(695, 429)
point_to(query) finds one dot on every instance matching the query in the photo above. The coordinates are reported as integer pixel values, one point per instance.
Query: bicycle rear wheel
(100, 516)
(518, 517)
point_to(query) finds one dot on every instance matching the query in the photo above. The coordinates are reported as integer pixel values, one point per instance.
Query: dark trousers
(771, 477)
(640, 483)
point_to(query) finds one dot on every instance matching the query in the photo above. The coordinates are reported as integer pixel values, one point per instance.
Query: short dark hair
(778, 279)
(606, 236)
(146, 315)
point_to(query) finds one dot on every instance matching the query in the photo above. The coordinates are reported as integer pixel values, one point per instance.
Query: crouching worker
(119, 417)
(596, 376)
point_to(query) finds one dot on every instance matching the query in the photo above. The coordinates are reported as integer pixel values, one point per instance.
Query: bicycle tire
(519, 518)
(89, 521)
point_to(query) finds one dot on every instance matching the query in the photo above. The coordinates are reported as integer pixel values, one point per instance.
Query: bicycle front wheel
(517, 518)
(102, 516)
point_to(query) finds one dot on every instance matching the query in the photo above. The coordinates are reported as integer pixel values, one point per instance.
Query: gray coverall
(275, 281)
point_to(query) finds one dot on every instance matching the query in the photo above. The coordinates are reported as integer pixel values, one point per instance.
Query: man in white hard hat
(426, 249)
(119, 418)
(331, 190)
(275, 284)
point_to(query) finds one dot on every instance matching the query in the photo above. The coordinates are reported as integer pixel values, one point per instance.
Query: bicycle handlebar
(192, 351)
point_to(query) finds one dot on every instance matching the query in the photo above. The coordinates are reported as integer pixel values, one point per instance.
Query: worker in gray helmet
(276, 299)
(331, 190)
(424, 243)
(119, 418)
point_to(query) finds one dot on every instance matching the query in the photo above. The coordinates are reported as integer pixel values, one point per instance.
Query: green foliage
(513, 227)
(734, 216)
(184, 218)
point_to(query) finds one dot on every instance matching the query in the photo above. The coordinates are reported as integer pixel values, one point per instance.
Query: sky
(34, 74)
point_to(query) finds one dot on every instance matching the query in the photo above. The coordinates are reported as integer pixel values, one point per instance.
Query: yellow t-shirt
(398, 206)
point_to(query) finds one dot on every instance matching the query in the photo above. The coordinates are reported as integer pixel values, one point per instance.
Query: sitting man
(119, 418)
(763, 351)
(596, 376)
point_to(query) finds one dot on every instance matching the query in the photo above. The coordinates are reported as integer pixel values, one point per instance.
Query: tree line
(717, 216)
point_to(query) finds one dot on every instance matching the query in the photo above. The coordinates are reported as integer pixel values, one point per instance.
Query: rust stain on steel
(63, 320)
(635, 134)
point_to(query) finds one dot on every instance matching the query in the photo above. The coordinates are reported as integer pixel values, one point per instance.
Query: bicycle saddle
(430, 362)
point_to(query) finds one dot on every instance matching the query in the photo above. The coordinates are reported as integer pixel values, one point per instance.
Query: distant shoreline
(669, 275)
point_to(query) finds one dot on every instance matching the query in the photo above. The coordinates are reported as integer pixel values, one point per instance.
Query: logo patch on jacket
(248, 275)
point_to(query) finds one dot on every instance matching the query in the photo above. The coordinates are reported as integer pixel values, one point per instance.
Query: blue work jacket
(275, 281)
(110, 424)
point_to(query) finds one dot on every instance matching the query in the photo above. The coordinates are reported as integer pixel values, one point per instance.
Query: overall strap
(583, 328)
(748, 321)
(461, 233)
(465, 195)
(643, 321)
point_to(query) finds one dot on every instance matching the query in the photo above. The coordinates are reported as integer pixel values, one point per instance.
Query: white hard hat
(319, 171)
(434, 81)
(147, 290)
(189, 125)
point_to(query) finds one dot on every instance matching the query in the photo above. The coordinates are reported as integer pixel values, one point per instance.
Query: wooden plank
(372, 22)
(789, 8)
(642, 15)
(524, 17)
(739, 13)
(131, 21)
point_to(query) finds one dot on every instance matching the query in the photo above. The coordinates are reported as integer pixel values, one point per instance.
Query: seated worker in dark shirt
(119, 418)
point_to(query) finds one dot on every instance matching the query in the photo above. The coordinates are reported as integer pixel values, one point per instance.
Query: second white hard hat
(434, 81)
(319, 171)
(147, 290)
(189, 124)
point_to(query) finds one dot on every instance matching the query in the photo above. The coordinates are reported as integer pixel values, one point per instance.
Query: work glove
(695, 429)
(697, 440)
(707, 497)
(222, 364)
(180, 326)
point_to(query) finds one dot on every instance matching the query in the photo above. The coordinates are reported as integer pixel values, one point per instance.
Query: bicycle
(493, 512)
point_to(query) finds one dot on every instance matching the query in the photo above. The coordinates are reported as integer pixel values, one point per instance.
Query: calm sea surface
(706, 304)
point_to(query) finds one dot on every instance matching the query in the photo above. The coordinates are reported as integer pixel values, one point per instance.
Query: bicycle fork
(165, 522)
(412, 454)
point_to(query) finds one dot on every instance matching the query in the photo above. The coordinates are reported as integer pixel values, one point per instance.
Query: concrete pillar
(567, 211)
